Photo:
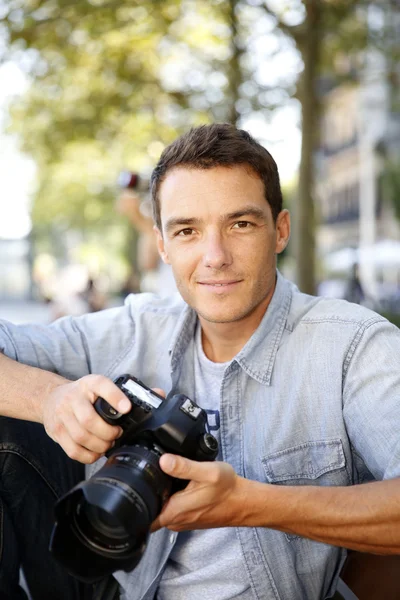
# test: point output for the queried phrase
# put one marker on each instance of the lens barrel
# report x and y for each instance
(103, 524)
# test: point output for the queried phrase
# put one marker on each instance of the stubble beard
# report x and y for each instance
(233, 314)
(256, 296)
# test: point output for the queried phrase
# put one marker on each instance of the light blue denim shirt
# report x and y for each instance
(313, 398)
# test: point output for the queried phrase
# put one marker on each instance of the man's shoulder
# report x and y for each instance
(318, 309)
(149, 311)
(142, 311)
(142, 303)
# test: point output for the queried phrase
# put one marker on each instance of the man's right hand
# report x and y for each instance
(70, 419)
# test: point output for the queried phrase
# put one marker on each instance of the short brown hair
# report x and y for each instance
(218, 145)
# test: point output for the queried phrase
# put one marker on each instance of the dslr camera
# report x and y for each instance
(102, 524)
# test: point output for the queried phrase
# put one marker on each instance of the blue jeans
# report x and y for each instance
(34, 472)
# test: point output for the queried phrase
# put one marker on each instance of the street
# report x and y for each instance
(21, 311)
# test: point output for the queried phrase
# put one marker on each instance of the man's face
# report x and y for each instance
(220, 239)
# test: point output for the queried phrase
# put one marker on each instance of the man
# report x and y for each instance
(302, 392)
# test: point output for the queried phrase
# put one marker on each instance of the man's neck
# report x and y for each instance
(222, 346)
(223, 341)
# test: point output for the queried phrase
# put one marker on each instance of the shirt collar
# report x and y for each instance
(257, 357)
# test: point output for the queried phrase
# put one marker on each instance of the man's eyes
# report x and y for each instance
(184, 232)
(188, 231)
(243, 225)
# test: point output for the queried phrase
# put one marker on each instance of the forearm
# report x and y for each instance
(23, 389)
(140, 222)
(361, 517)
(148, 257)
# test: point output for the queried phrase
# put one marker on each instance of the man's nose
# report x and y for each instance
(216, 251)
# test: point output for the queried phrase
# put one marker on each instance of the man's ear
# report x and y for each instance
(161, 246)
(282, 231)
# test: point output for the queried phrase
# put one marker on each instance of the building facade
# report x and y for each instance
(360, 132)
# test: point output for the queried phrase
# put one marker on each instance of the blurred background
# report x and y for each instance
(92, 91)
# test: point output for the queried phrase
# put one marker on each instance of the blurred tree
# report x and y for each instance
(386, 40)
(391, 183)
(103, 96)
(327, 34)
(113, 82)
(93, 100)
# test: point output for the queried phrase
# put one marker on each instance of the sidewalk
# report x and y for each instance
(21, 311)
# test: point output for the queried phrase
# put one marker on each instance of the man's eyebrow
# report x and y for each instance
(253, 211)
(178, 222)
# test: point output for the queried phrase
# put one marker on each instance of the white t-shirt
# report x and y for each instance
(206, 564)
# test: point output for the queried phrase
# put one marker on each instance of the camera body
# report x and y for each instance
(176, 424)
(102, 524)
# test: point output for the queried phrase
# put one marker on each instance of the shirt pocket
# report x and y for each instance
(320, 462)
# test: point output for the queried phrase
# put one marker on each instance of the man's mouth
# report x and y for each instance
(220, 284)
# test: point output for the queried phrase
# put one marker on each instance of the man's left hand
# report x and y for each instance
(214, 496)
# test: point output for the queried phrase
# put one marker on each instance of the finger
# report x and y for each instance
(77, 452)
(91, 422)
(172, 514)
(159, 391)
(182, 510)
(156, 525)
(97, 385)
(183, 468)
(165, 518)
(84, 438)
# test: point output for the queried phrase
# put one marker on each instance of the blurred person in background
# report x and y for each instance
(302, 392)
(354, 289)
(131, 284)
(75, 292)
(156, 276)
(94, 297)
(69, 290)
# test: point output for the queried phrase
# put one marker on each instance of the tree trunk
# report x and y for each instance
(234, 71)
(304, 213)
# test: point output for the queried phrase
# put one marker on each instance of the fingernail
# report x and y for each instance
(169, 462)
(124, 405)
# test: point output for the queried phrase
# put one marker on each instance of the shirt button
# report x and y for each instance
(172, 538)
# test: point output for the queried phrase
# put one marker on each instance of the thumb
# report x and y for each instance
(168, 463)
(183, 468)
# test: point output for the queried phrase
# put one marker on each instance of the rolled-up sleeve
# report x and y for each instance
(371, 396)
(71, 346)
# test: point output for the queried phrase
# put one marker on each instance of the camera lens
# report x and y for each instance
(102, 521)
(98, 521)
(99, 530)
(127, 494)
(107, 519)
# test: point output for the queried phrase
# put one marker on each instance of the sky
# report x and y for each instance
(17, 172)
